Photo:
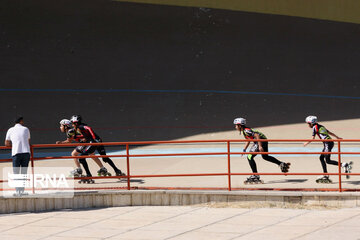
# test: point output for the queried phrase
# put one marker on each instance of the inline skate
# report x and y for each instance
(88, 181)
(284, 167)
(76, 172)
(254, 179)
(347, 168)
(103, 172)
(323, 179)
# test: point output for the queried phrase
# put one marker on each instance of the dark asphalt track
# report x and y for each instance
(169, 56)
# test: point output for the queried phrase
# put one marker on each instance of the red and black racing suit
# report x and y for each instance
(90, 136)
(71, 134)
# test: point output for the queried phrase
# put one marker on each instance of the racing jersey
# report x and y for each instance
(73, 134)
(321, 131)
(249, 133)
(87, 133)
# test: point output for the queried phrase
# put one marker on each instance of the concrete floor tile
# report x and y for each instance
(34, 231)
(333, 233)
(89, 232)
(17, 220)
(16, 237)
(146, 235)
(63, 222)
(204, 236)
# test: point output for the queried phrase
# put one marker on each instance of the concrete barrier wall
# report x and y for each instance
(177, 198)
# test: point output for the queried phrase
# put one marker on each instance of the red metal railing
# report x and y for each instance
(227, 153)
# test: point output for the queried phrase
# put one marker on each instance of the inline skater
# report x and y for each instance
(249, 133)
(90, 136)
(66, 127)
(324, 133)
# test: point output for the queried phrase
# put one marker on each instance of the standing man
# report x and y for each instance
(18, 137)
(258, 146)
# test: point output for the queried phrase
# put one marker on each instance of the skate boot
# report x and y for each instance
(88, 181)
(284, 167)
(119, 173)
(254, 179)
(347, 168)
(323, 179)
(103, 172)
(76, 172)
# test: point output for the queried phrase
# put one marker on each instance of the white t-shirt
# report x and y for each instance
(19, 137)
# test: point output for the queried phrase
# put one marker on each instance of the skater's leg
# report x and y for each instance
(86, 166)
(267, 157)
(270, 159)
(252, 163)
(96, 160)
(328, 146)
(76, 160)
(101, 151)
(323, 163)
(329, 161)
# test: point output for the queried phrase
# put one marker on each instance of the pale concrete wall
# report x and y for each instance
(179, 198)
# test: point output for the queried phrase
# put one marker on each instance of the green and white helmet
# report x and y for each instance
(241, 121)
(311, 119)
(66, 123)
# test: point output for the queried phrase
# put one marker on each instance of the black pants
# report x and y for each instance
(20, 164)
(101, 150)
(267, 157)
(325, 158)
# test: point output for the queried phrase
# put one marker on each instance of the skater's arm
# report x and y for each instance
(68, 140)
(334, 135)
(305, 144)
(257, 137)
(246, 146)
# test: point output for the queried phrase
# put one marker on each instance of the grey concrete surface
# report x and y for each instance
(186, 222)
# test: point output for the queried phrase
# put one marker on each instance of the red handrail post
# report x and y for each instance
(32, 167)
(339, 156)
(229, 165)
(128, 166)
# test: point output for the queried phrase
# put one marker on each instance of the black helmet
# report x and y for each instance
(76, 119)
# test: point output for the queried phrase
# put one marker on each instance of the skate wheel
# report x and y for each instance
(109, 174)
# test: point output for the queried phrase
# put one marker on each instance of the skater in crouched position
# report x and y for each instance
(324, 133)
(71, 136)
(249, 133)
(90, 136)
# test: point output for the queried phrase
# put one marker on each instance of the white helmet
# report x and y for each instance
(241, 121)
(66, 123)
(311, 119)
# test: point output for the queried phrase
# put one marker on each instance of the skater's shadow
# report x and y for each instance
(289, 181)
(140, 181)
(352, 182)
(122, 180)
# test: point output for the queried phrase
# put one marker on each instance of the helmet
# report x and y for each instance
(311, 119)
(71, 133)
(241, 121)
(76, 119)
(66, 123)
